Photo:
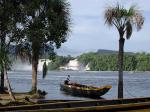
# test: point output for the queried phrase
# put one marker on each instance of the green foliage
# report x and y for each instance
(108, 62)
(10, 16)
(59, 61)
(84, 58)
(143, 63)
(46, 24)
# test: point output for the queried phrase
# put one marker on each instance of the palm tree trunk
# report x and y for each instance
(8, 84)
(34, 75)
(120, 64)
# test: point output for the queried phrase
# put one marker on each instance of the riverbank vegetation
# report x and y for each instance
(108, 62)
(98, 61)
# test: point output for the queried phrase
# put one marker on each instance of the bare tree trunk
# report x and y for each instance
(120, 65)
(8, 85)
(2, 66)
(2, 79)
(34, 75)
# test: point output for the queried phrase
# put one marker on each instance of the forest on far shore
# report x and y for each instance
(106, 61)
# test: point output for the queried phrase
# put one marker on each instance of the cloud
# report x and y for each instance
(90, 33)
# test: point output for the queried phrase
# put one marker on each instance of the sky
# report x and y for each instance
(90, 33)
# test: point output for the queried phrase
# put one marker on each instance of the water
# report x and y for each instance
(135, 84)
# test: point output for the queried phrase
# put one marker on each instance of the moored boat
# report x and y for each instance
(84, 90)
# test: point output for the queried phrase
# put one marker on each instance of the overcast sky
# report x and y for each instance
(89, 33)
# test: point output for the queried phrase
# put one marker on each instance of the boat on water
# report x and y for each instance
(84, 90)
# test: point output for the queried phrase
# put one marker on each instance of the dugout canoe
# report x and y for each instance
(84, 90)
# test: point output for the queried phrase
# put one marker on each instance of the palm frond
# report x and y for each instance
(132, 10)
(128, 30)
(139, 20)
(115, 15)
(109, 16)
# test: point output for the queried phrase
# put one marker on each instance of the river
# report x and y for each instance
(135, 84)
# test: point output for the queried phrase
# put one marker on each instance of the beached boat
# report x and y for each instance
(115, 105)
(84, 90)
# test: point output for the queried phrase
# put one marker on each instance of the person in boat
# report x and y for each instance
(67, 80)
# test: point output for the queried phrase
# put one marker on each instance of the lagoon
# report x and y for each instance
(136, 84)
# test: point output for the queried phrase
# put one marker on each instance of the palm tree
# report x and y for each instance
(47, 24)
(124, 20)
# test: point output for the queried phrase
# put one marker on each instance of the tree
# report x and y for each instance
(124, 20)
(47, 24)
(10, 15)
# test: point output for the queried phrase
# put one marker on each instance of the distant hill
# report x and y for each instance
(104, 51)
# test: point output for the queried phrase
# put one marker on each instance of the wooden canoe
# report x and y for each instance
(85, 106)
(83, 90)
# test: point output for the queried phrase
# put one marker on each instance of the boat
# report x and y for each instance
(84, 90)
(112, 105)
